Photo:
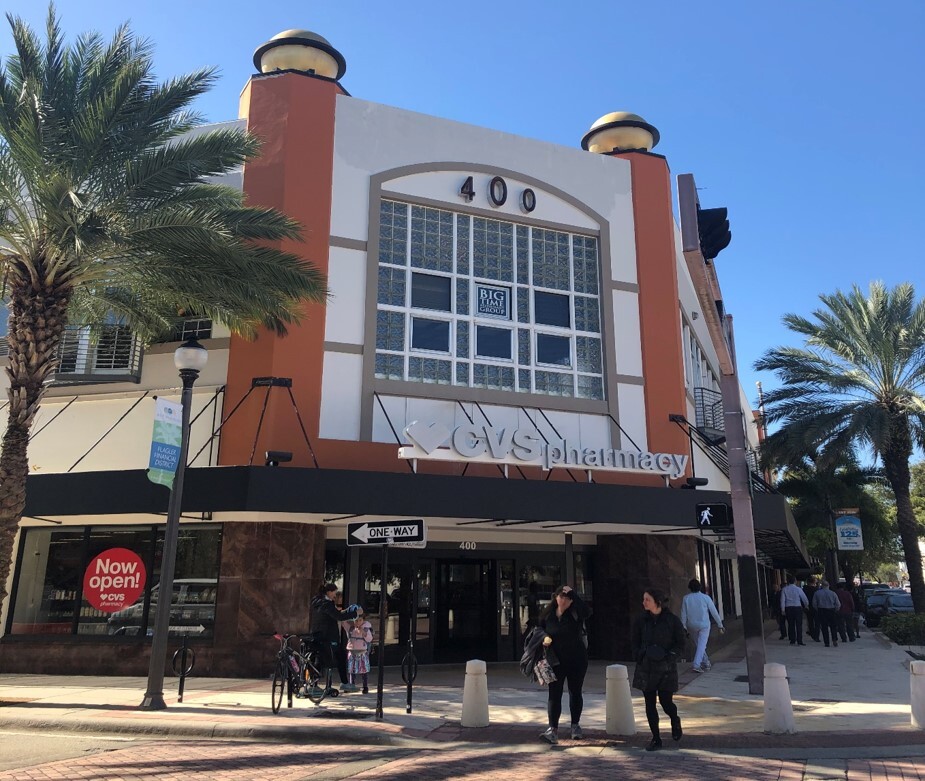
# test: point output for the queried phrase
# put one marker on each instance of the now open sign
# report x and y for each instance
(114, 579)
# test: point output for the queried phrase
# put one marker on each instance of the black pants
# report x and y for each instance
(825, 617)
(812, 623)
(781, 624)
(573, 673)
(794, 624)
(844, 623)
(667, 701)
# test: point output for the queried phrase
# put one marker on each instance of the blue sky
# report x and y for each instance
(804, 118)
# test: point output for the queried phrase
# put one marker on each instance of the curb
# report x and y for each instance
(303, 733)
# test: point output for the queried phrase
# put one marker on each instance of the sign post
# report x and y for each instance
(385, 533)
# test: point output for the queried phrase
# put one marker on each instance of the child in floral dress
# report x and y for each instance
(359, 636)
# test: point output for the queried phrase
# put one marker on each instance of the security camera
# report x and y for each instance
(277, 457)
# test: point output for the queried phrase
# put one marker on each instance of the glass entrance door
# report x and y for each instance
(465, 611)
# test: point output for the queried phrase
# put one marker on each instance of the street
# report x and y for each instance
(42, 755)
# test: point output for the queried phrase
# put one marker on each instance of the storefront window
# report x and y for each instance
(537, 584)
(51, 599)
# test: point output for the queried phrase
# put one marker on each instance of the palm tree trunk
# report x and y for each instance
(37, 320)
(896, 465)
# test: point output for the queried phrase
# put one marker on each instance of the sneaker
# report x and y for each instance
(577, 733)
(707, 666)
(550, 736)
(654, 745)
(697, 669)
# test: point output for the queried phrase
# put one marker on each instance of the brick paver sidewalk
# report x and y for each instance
(237, 761)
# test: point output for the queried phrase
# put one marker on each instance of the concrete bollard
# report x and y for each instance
(475, 695)
(778, 709)
(619, 716)
(917, 686)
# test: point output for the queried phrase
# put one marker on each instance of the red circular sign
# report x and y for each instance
(114, 579)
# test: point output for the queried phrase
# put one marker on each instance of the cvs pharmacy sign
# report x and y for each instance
(114, 579)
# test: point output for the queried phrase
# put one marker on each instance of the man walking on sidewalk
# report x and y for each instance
(812, 620)
(792, 602)
(696, 611)
(826, 604)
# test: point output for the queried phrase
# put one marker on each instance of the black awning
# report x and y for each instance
(349, 492)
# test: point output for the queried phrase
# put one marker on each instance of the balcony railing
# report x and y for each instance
(708, 406)
(97, 354)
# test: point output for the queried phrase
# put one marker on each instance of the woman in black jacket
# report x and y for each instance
(658, 642)
(326, 620)
(563, 621)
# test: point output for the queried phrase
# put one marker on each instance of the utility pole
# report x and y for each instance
(703, 235)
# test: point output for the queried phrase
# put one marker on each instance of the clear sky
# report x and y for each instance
(804, 117)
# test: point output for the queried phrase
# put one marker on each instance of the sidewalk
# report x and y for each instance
(852, 696)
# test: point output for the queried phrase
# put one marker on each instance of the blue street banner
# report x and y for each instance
(165, 442)
(848, 532)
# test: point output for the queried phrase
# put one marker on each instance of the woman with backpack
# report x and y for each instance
(563, 622)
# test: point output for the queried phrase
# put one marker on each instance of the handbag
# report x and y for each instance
(543, 672)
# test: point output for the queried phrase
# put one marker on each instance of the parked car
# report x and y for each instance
(192, 610)
(882, 603)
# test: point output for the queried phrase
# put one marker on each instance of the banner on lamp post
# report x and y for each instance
(165, 442)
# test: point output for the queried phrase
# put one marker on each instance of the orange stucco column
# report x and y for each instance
(660, 324)
(293, 115)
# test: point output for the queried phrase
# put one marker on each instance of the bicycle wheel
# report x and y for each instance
(280, 677)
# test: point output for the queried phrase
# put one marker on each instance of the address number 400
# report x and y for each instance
(497, 194)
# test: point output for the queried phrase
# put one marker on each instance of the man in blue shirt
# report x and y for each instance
(792, 602)
(696, 610)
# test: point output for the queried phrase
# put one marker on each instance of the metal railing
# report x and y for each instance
(98, 353)
(708, 407)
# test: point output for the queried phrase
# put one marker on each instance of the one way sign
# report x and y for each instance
(385, 532)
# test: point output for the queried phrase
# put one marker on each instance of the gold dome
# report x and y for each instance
(620, 131)
(300, 50)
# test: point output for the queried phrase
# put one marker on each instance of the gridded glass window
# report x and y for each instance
(430, 334)
(551, 259)
(523, 347)
(523, 305)
(555, 350)
(390, 367)
(393, 233)
(553, 383)
(586, 267)
(486, 375)
(431, 370)
(435, 259)
(431, 292)
(590, 387)
(462, 244)
(492, 249)
(551, 309)
(462, 296)
(431, 239)
(391, 286)
(587, 314)
(523, 257)
(462, 373)
(493, 342)
(390, 330)
(588, 352)
(462, 339)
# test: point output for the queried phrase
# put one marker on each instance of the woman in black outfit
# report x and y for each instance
(563, 621)
(658, 642)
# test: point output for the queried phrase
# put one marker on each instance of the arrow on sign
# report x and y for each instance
(385, 532)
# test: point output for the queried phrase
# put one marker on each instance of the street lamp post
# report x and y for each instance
(190, 358)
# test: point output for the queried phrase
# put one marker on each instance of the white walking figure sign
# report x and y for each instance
(705, 517)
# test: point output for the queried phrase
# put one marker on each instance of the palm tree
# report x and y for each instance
(109, 209)
(858, 381)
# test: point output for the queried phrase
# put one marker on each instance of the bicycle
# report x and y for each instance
(316, 675)
(301, 673)
(287, 674)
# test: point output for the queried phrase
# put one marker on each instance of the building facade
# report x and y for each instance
(514, 352)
